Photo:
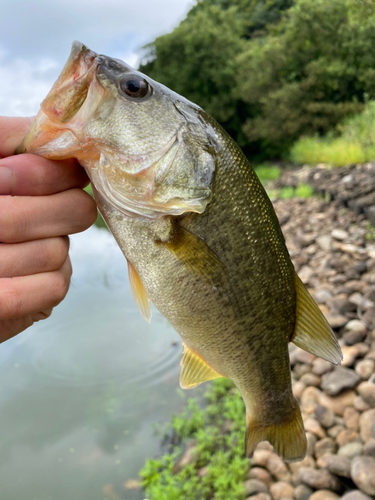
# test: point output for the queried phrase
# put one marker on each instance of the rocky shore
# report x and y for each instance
(333, 250)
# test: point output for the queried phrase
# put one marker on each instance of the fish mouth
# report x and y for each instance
(63, 105)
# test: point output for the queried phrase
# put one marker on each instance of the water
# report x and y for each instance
(80, 392)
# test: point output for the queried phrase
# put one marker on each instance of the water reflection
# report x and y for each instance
(80, 392)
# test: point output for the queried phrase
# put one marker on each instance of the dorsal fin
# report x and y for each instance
(312, 332)
(139, 293)
(194, 370)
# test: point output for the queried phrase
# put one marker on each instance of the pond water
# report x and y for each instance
(81, 391)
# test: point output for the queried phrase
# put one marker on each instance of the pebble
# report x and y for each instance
(355, 495)
(325, 446)
(259, 473)
(350, 354)
(339, 403)
(319, 479)
(363, 474)
(324, 495)
(302, 492)
(339, 465)
(351, 450)
(339, 380)
(253, 486)
(312, 425)
(277, 467)
(339, 234)
(260, 496)
(365, 368)
(351, 418)
(260, 457)
(281, 489)
(346, 436)
(310, 379)
(355, 325)
(367, 425)
(360, 404)
(367, 391)
(324, 416)
(321, 366)
(369, 447)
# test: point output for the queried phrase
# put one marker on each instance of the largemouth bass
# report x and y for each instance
(199, 233)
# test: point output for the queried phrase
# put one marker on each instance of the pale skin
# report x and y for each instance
(41, 203)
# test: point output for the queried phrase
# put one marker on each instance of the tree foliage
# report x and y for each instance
(271, 71)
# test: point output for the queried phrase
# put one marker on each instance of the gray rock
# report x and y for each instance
(339, 234)
(253, 486)
(324, 242)
(325, 446)
(321, 366)
(339, 465)
(319, 479)
(338, 380)
(351, 450)
(302, 492)
(369, 448)
(355, 495)
(355, 325)
(363, 474)
(367, 425)
(324, 416)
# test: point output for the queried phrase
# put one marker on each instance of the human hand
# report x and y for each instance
(41, 202)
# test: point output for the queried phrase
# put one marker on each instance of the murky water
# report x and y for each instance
(80, 392)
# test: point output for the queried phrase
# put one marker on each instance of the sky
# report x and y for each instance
(36, 36)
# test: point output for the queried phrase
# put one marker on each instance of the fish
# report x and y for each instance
(199, 233)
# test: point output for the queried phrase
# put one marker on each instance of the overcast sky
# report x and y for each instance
(36, 36)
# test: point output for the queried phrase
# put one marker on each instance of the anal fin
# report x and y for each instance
(312, 332)
(194, 370)
(288, 437)
(139, 293)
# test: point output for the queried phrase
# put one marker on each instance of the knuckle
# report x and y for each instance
(12, 225)
(10, 300)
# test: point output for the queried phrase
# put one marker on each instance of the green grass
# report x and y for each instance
(267, 172)
(221, 453)
(354, 144)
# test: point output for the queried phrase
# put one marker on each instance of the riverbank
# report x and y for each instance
(333, 250)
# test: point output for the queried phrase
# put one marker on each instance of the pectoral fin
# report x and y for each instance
(193, 252)
(194, 370)
(312, 332)
(139, 293)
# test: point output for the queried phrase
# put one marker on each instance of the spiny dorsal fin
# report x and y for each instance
(193, 252)
(194, 370)
(287, 437)
(312, 332)
(139, 293)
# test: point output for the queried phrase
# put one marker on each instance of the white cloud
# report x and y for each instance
(35, 39)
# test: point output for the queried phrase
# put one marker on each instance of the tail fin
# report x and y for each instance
(288, 437)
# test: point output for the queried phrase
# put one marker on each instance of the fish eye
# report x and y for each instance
(134, 86)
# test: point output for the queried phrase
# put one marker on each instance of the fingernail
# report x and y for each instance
(6, 180)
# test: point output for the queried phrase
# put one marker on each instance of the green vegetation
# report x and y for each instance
(271, 71)
(99, 220)
(267, 172)
(217, 468)
(354, 144)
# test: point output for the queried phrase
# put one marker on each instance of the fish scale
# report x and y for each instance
(199, 233)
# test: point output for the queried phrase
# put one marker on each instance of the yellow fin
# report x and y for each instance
(288, 438)
(139, 293)
(194, 370)
(193, 252)
(312, 332)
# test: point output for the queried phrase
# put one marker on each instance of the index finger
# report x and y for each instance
(12, 131)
